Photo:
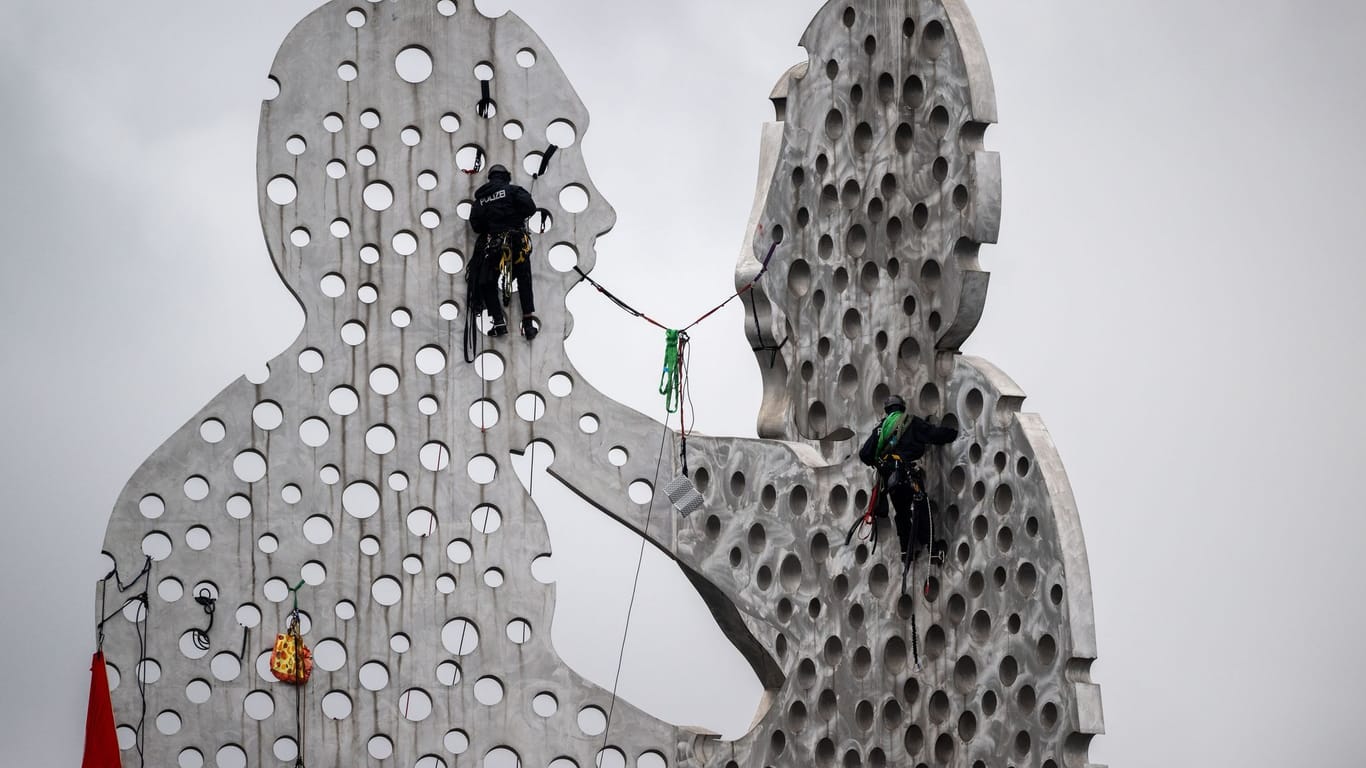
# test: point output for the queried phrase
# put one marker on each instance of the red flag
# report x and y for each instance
(101, 742)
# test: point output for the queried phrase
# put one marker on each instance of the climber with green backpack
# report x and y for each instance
(894, 450)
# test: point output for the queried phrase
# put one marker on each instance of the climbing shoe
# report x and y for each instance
(529, 329)
(499, 329)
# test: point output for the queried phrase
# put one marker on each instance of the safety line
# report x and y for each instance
(140, 628)
(583, 276)
(635, 584)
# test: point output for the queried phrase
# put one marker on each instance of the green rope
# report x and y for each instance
(294, 590)
(890, 426)
(671, 379)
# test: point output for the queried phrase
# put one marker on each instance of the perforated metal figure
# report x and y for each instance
(894, 449)
(499, 216)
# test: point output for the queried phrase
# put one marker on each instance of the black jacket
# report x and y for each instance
(501, 206)
(917, 435)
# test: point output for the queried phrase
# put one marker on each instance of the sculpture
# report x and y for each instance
(397, 484)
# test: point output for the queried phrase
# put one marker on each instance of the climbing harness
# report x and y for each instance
(510, 254)
(893, 471)
(140, 600)
(889, 433)
(511, 249)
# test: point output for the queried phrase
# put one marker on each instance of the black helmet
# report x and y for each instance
(498, 170)
(894, 404)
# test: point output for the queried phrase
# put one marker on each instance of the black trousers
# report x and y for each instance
(491, 297)
(484, 273)
(912, 518)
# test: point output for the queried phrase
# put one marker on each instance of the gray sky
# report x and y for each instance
(1176, 287)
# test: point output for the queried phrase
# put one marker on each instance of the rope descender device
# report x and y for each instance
(671, 378)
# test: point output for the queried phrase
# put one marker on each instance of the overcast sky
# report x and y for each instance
(1177, 287)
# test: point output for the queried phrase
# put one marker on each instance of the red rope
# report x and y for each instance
(740, 292)
(637, 313)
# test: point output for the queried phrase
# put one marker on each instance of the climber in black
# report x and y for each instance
(499, 216)
(894, 449)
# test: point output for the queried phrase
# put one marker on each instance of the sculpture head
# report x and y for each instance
(368, 158)
(883, 193)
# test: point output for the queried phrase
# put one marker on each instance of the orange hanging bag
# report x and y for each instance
(291, 661)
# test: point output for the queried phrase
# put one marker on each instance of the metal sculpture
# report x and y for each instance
(370, 475)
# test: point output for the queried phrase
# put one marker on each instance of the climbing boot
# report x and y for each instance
(499, 329)
(529, 329)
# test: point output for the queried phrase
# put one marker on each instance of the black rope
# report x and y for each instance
(915, 636)
(114, 574)
(763, 269)
(687, 382)
(635, 584)
(208, 602)
(140, 674)
(763, 345)
(478, 162)
(583, 276)
(612, 297)
(140, 627)
(545, 162)
(872, 535)
(685, 403)
(299, 716)
(293, 629)
(546, 220)
(473, 308)
(140, 597)
(486, 104)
